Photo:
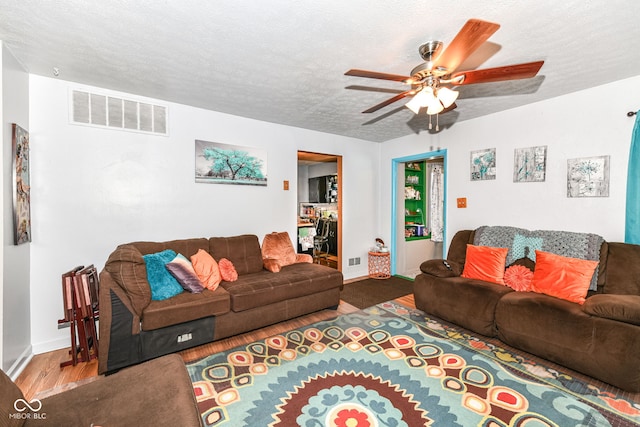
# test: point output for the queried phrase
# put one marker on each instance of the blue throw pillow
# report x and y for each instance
(163, 284)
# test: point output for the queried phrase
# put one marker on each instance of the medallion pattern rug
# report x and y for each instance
(389, 365)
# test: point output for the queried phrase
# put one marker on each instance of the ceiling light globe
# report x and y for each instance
(447, 96)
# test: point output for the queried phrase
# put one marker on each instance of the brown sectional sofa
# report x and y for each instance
(600, 338)
(134, 328)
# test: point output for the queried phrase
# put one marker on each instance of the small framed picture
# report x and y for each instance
(483, 164)
(530, 164)
(588, 177)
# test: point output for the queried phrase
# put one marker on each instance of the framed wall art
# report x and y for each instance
(219, 163)
(483, 164)
(21, 186)
(530, 164)
(588, 177)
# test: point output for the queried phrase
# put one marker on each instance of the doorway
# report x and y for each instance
(320, 200)
(418, 215)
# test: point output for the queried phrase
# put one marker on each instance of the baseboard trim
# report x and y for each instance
(18, 366)
(354, 279)
(52, 345)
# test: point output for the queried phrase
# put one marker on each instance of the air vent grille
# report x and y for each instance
(118, 113)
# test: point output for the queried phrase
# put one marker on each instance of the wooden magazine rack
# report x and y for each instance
(80, 295)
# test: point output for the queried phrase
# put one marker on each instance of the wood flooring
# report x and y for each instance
(43, 375)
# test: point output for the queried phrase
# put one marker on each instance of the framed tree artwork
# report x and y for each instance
(229, 164)
(21, 186)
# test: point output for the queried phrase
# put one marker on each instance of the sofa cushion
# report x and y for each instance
(186, 247)
(623, 269)
(624, 308)
(296, 280)
(243, 251)
(562, 277)
(163, 284)
(485, 263)
(128, 269)
(469, 303)
(458, 246)
(184, 308)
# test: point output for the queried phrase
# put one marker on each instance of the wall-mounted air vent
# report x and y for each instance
(117, 113)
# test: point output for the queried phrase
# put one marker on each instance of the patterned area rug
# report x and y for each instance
(389, 365)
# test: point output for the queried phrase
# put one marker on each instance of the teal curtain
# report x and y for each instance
(632, 222)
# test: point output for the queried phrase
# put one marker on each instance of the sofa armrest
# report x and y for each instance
(624, 308)
(441, 268)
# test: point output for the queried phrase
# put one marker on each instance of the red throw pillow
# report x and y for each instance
(562, 277)
(518, 277)
(485, 263)
(227, 270)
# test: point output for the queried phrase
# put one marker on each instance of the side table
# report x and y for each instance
(379, 265)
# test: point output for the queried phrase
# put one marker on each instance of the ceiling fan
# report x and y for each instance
(430, 81)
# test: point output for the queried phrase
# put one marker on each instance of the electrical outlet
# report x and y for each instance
(357, 261)
(462, 202)
(286, 185)
(351, 261)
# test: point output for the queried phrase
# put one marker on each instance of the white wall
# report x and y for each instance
(93, 189)
(571, 126)
(15, 287)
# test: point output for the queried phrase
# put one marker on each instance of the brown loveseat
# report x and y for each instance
(156, 393)
(600, 338)
(134, 328)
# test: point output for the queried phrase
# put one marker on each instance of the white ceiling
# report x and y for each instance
(283, 61)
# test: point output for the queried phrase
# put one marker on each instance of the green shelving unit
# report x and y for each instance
(415, 201)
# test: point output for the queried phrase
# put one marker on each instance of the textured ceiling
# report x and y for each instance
(283, 61)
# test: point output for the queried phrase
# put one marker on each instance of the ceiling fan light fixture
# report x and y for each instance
(420, 100)
(447, 96)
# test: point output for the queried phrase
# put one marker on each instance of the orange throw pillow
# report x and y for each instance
(562, 277)
(518, 278)
(228, 270)
(206, 269)
(278, 246)
(485, 263)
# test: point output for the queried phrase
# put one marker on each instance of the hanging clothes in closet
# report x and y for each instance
(436, 201)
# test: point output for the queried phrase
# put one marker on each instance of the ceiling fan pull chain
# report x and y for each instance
(437, 122)
(430, 125)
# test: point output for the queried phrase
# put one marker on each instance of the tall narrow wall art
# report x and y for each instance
(21, 186)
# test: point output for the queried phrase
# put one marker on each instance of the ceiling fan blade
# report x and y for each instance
(469, 38)
(396, 98)
(497, 74)
(376, 75)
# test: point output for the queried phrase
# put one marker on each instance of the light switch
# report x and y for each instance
(286, 185)
(462, 202)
